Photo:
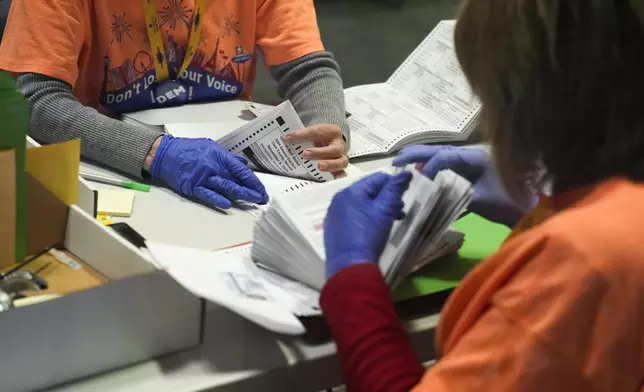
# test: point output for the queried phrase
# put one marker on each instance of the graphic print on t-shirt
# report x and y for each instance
(217, 70)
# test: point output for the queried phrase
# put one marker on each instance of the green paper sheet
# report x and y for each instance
(14, 115)
(482, 238)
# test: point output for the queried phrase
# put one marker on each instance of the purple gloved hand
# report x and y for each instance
(202, 169)
(360, 218)
(489, 200)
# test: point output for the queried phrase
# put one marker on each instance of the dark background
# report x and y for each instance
(369, 38)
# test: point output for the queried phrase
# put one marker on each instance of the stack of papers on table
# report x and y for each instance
(277, 279)
(289, 239)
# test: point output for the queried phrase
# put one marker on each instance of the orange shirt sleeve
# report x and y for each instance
(498, 354)
(45, 37)
(556, 324)
(287, 30)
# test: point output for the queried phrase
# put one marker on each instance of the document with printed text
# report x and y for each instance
(275, 280)
(261, 142)
(289, 237)
(427, 99)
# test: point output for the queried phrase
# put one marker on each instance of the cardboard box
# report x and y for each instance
(129, 312)
(139, 314)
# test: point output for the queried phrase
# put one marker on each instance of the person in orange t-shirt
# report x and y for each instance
(560, 306)
(82, 63)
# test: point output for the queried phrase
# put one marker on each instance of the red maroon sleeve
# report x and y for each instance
(373, 347)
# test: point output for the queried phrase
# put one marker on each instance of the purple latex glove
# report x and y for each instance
(359, 220)
(489, 200)
(202, 169)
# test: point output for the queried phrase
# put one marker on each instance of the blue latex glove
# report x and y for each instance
(359, 220)
(202, 169)
(489, 200)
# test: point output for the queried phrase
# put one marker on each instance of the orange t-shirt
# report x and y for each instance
(101, 47)
(559, 307)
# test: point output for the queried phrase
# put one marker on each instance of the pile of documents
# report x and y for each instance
(277, 279)
(289, 239)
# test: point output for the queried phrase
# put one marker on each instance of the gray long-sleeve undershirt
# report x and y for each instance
(312, 83)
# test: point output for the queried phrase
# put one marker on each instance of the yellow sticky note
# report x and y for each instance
(105, 219)
(115, 202)
(56, 167)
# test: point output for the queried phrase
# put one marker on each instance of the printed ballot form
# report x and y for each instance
(427, 99)
(261, 142)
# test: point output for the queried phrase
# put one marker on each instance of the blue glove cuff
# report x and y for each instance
(333, 265)
(155, 167)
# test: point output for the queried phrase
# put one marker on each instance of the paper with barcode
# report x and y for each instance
(261, 142)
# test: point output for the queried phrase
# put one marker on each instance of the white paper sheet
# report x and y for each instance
(230, 279)
(261, 141)
(277, 185)
(432, 77)
(289, 238)
(258, 109)
(427, 99)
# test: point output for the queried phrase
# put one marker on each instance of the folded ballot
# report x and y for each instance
(289, 238)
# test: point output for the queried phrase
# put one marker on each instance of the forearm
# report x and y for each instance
(313, 85)
(373, 347)
(56, 116)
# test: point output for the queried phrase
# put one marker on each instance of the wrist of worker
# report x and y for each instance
(335, 265)
(344, 128)
(522, 208)
(149, 158)
(354, 279)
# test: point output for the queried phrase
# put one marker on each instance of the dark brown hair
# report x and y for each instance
(562, 82)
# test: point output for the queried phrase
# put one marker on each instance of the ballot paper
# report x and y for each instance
(261, 142)
(230, 278)
(289, 238)
(258, 109)
(427, 99)
(276, 185)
